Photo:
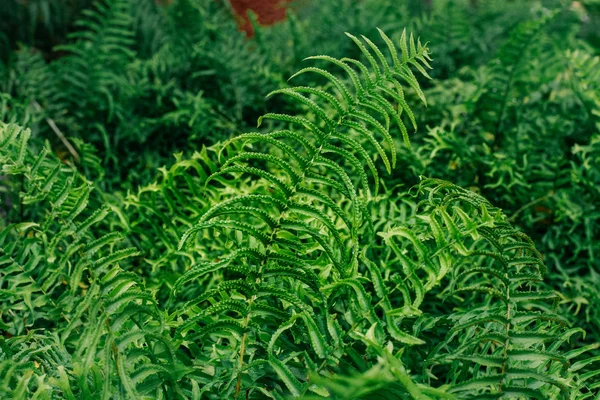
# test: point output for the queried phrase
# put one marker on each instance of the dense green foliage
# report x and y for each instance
(334, 251)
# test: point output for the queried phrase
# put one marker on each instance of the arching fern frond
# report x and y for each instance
(304, 211)
(503, 338)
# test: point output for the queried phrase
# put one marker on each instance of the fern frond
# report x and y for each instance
(501, 338)
(506, 70)
(55, 269)
(311, 221)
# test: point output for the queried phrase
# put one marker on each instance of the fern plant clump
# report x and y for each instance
(334, 251)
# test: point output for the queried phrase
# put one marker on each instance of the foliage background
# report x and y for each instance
(135, 102)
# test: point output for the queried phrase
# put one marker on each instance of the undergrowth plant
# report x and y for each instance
(332, 252)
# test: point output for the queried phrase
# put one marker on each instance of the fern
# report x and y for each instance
(510, 339)
(505, 70)
(587, 73)
(95, 52)
(301, 223)
(449, 32)
(57, 275)
(295, 261)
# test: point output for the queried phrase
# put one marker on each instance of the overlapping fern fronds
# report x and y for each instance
(503, 336)
(285, 289)
(294, 238)
(83, 91)
(92, 71)
(108, 335)
(281, 263)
